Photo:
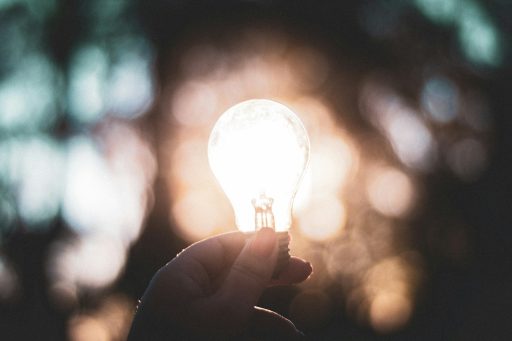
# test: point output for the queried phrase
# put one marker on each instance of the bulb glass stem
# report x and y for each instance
(263, 215)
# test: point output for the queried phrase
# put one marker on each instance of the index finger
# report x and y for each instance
(214, 254)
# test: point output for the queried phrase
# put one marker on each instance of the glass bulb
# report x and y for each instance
(258, 150)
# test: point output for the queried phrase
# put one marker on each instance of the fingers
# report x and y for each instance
(214, 254)
(183, 291)
(218, 253)
(251, 272)
(189, 275)
(269, 325)
(296, 271)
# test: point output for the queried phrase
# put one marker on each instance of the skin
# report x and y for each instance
(210, 291)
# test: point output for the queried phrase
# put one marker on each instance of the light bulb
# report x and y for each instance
(258, 150)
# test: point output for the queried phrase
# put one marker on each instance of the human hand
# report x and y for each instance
(210, 291)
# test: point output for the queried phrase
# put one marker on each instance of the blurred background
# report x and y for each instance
(405, 210)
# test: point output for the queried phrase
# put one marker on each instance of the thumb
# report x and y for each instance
(251, 272)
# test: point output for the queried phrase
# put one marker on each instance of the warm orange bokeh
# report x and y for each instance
(344, 178)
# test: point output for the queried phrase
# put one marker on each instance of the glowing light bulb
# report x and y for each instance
(258, 150)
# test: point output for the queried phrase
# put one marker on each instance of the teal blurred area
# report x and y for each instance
(66, 70)
(105, 107)
(76, 81)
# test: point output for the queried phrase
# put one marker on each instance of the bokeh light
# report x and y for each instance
(194, 104)
(107, 195)
(9, 282)
(36, 78)
(105, 81)
(404, 128)
(389, 312)
(76, 171)
(213, 219)
(467, 158)
(87, 83)
(390, 191)
(478, 36)
(105, 113)
(440, 99)
(315, 224)
(353, 208)
(81, 263)
(33, 168)
(389, 290)
(87, 328)
(110, 321)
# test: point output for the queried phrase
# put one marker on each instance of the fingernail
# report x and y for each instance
(264, 242)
